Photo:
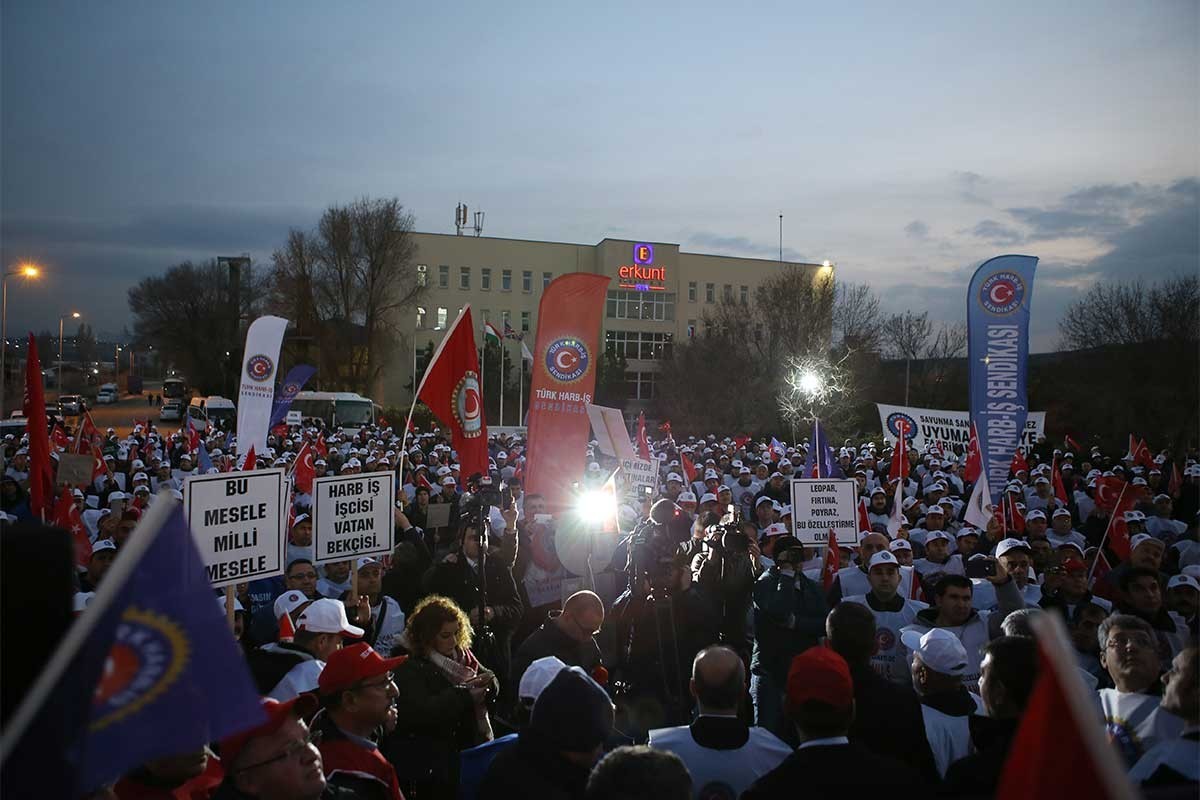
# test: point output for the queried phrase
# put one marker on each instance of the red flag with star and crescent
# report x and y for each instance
(829, 569)
(1108, 491)
(642, 441)
(1019, 464)
(67, 517)
(305, 471)
(452, 391)
(974, 464)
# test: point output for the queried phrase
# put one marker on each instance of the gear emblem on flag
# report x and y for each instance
(468, 405)
(885, 640)
(260, 368)
(148, 654)
(899, 421)
(567, 360)
(1002, 293)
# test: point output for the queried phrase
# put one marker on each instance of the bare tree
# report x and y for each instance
(1132, 313)
(858, 322)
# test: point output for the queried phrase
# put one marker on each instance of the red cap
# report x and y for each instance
(304, 705)
(1074, 565)
(348, 666)
(819, 674)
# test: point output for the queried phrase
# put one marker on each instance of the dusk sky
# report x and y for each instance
(904, 142)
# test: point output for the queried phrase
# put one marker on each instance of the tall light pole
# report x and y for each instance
(117, 363)
(72, 315)
(25, 271)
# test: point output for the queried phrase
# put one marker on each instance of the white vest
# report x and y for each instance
(1135, 722)
(854, 581)
(949, 737)
(890, 659)
(973, 635)
(722, 773)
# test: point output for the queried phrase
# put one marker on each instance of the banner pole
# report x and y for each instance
(229, 590)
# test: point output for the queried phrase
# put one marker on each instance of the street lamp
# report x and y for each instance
(26, 270)
(73, 315)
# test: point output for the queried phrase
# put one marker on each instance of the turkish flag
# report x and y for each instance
(1059, 727)
(829, 569)
(689, 469)
(974, 464)
(67, 517)
(1139, 452)
(423, 481)
(193, 437)
(88, 433)
(1176, 483)
(1118, 529)
(59, 439)
(898, 469)
(1015, 518)
(643, 442)
(1074, 445)
(305, 471)
(41, 473)
(320, 446)
(1018, 462)
(740, 441)
(1108, 490)
(1060, 490)
(452, 391)
(250, 461)
(864, 521)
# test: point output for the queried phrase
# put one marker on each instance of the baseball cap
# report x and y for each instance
(1183, 580)
(1078, 548)
(909, 502)
(1141, 539)
(743, 470)
(883, 557)
(1037, 513)
(1135, 516)
(685, 497)
(277, 713)
(900, 544)
(367, 561)
(939, 649)
(1008, 545)
(103, 544)
(674, 476)
(708, 497)
(1061, 512)
(938, 510)
(966, 530)
(763, 499)
(327, 616)
(820, 674)
(933, 535)
(350, 665)
(288, 602)
(864, 534)
(776, 529)
(537, 676)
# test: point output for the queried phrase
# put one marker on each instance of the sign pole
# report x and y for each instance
(229, 595)
(353, 583)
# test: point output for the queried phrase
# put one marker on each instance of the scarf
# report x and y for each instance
(458, 670)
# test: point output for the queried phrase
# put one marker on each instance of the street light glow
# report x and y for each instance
(30, 270)
(75, 315)
(810, 383)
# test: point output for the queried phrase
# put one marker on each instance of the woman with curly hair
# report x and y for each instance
(442, 705)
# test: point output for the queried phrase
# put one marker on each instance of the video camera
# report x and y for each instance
(725, 532)
(654, 543)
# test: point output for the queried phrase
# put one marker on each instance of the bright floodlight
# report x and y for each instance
(595, 505)
(810, 383)
(29, 270)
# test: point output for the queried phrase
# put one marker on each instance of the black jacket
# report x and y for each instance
(269, 663)
(978, 775)
(888, 721)
(838, 772)
(533, 769)
(549, 640)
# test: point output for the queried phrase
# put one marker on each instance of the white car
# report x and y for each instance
(106, 397)
(172, 410)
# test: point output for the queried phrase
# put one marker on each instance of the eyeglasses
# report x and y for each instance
(293, 749)
(1120, 642)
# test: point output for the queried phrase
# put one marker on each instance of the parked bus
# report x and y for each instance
(175, 389)
(346, 409)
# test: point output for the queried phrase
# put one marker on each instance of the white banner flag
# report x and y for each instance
(948, 430)
(257, 392)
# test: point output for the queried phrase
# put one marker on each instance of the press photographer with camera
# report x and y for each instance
(727, 573)
(789, 618)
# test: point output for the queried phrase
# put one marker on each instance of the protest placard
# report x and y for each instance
(352, 515)
(820, 505)
(75, 470)
(948, 431)
(635, 474)
(239, 521)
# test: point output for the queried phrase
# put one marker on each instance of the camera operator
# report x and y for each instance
(789, 618)
(457, 576)
(728, 569)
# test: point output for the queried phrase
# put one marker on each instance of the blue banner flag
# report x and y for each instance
(998, 304)
(820, 455)
(150, 669)
(204, 459)
(296, 378)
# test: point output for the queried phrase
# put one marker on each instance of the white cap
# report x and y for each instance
(1183, 580)
(103, 544)
(775, 529)
(117, 496)
(537, 676)
(288, 602)
(883, 557)
(966, 530)
(711, 475)
(763, 499)
(327, 616)
(708, 497)
(936, 509)
(367, 561)
(686, 497)
(1037, 513)
(743, 470)
(900, 544)
(674, 476)
(934, 535)
(1008, 545)
(237, 604)
(939, 649)
(299, 518)
(1061, 512)
(1141, 539)
(1135, 516)
(908, 503)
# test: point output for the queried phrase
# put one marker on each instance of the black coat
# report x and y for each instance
(549, 640)
(531, 769)
(838, 772)
(978, 775)
(888, 721)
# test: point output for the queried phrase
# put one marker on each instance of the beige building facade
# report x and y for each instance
(656, 298)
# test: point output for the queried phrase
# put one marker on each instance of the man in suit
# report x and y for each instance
(887, 716)
(820, 701)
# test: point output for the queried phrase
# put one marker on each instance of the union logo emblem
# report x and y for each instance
(567, 360)
(468, 405)
(260, 368)
(1002, 292)
(147, 656)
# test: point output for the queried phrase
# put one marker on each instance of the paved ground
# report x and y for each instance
(121, 415)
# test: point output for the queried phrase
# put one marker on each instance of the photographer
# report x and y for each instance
(789, 618)
(728, 570)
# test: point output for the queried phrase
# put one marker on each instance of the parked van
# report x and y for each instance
(214, 410)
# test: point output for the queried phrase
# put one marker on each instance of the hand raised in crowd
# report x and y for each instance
(401, 520)
(1001, 575)
(363, 609)
(510, 517)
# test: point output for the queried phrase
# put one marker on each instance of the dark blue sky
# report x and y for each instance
(904, 142)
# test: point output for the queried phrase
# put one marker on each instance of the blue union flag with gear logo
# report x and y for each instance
(998, 311)
(150, 669)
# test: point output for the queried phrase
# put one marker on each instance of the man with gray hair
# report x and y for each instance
(724, 754)
(1132, 715)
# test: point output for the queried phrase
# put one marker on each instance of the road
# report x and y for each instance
(120, 416)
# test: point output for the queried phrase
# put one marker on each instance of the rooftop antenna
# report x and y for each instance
(478, 228)
(781, 238)
(460, 218)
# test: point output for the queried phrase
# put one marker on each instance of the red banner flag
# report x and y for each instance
(974, 464)
(1176, 483)
(564, 380)
(898, 469)
(1019, 464)
(41, 474)
(643, 442)
(305, 472)
(1074, 445)
(1016, 519)
(1060, 490)
(87, 435)
(829, 569)
(320, 446)
(59, 439)
(689, 469)
(1108, 490)
(740, 441)
(67, 517)
(864, 521)
(452, 391)
(1118, 528)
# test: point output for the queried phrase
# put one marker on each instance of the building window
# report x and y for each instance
(546, 278)
(487, 314)
(527, 281)
(642, 345)
(632, 304)
(691, 291)
(441, 318)
(691, 329)
(525, 322)
(422, 274)
(710, 292)
(485, 278)
(506, 280)
(420, 317)
(504, 315)
(728, 293)
(464, 277)
(641, 385)
(745, 295)
(444, 276)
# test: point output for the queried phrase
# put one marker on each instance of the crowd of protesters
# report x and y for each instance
(472, 663)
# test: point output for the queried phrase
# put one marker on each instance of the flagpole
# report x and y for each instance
(1104, 538)
(437, 351)
(521, 391)
(502, 349)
